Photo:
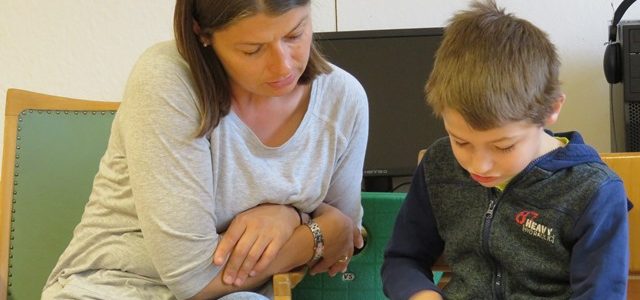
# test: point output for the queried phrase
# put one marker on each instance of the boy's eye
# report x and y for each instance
(506, 149)
(460, 143)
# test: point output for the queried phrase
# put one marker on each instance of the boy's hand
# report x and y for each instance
(253, 241)
(426, 295)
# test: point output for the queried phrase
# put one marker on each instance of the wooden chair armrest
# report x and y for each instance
(441, 265)
(283, 283)
(633, 290)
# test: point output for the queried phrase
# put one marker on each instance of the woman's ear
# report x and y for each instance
(555, 112)
(204, 40)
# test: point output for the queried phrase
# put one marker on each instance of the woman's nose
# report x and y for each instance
(280, 60)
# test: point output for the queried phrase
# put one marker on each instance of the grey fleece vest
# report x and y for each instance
(503, 245)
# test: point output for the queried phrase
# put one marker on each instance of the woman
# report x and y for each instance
(225, 139)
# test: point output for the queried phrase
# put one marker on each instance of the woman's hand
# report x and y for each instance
(253, 240)
(340, 236)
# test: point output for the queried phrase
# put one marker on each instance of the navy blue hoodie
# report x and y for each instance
(559, 230)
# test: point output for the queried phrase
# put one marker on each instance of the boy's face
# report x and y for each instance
(496, 155)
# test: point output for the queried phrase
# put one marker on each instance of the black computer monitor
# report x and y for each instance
(393, 66)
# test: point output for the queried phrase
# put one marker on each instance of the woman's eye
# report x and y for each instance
(294, 36)
(251, 52)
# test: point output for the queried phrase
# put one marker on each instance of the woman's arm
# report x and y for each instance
(297, 251)
(169, 171)
(345, 187)
(253, 241)
(334, 253)
(344, 192)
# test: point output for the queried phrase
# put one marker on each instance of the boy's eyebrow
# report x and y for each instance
(455, 136)
(494, 141)
(502, 139)
(292, 30)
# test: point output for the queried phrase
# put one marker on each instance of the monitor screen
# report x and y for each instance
(393, 66)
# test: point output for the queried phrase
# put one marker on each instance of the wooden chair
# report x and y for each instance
(52, 146)
(627, 166)
(380, 211)
(362, 279)
(284, 283)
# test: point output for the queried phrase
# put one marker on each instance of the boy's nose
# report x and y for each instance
(481, 164)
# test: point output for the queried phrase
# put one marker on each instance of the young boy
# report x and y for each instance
(517, 212)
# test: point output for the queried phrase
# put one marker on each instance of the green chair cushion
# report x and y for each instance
(57, 157)
(362, 279)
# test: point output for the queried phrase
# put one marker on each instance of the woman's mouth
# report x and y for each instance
(283, 82)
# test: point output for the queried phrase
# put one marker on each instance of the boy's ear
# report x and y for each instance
(555, 112)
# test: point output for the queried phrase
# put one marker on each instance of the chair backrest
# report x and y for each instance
(627, 166)
(52, 147)
(362, 279)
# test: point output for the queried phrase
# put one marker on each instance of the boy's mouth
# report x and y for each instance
(483, 179)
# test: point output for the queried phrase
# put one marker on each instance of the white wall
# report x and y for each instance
(85, 49)
(577, 27)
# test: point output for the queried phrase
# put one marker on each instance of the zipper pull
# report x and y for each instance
(489, 213)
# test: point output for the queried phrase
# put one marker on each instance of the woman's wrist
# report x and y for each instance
(303, 217)
(318, 242)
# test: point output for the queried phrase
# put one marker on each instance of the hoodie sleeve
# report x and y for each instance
(414, 246)
(600, 257)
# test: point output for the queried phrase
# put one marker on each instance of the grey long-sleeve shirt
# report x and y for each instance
(162, 196)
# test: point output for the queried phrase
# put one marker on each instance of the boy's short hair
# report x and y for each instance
(494, 68)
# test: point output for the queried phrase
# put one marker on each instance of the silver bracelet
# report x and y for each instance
(318, 242)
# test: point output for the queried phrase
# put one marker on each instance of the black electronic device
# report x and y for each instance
(393, 66)
(612, 61)
(625, 94)
(622, 70)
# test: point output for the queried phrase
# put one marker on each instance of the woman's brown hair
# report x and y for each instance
(211, 80)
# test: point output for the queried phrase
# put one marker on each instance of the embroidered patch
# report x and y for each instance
(527, 218)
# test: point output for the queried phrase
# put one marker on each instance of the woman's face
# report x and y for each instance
(265, 55)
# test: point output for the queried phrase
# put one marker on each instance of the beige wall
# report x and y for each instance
(85, 49)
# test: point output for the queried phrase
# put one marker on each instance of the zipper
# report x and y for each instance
(497, 283)
(489, 214)
(488, 217)
(497, 286)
